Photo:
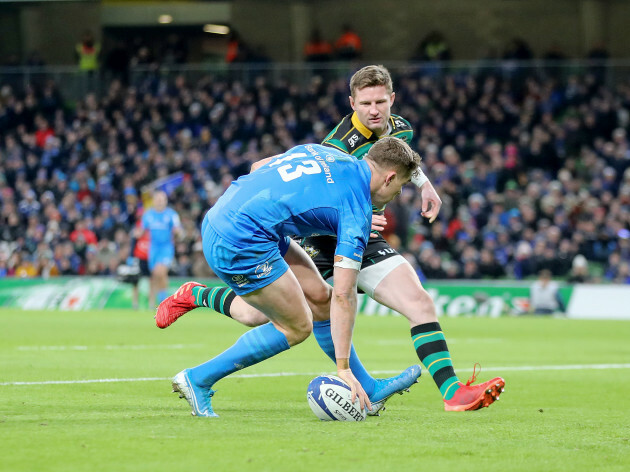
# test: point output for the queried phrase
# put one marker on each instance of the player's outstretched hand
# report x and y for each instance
(378, 224)
(431, 202)
(355, 387)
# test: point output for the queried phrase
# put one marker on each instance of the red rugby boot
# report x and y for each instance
(473, 397)
(178, 304)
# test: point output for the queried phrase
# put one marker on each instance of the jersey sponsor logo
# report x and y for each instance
(326, 167)
(311, 251)
(384, 252)
(353, 140)
(400, 124)
(240, 280)
(330, 158)
(263, 270)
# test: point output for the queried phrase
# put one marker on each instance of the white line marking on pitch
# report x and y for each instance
(293, 374)
(110, 347)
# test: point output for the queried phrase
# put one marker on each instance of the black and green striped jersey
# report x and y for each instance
(351, 136)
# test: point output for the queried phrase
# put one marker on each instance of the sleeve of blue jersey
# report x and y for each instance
(176, 221)
(350, 251)
(352, 237)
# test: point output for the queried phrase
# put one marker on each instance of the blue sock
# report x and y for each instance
(252, 347)
(321, 330)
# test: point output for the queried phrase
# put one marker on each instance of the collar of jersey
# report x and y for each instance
(360, 126)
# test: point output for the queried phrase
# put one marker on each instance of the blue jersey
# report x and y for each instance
(308, 190)
(160, 226)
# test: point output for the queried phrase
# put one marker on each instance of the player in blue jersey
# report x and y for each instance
(310, 189)
(162, 223)
(385, 275)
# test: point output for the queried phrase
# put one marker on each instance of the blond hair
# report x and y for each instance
(371, 76)
(393, 153)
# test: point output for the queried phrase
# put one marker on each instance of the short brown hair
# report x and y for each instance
(371, 76)
(393, 153)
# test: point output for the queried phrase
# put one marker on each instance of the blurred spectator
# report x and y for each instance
(518, 50)
(23, 264)
(544, 295)
(433, 47)
(317, 49)
(82, 235)
(579, 270)
(237, 49)
(623, 273)
(524, 264)
(348, 46)
(87, 52)
(44, 131)
(489, 267)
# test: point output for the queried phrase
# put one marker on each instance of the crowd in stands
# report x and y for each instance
(534, 173)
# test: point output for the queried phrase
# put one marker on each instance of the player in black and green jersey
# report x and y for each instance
(385, 275)
(355, 134)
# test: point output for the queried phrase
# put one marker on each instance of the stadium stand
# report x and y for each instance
(533, 171)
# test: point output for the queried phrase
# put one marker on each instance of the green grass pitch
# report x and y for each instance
(553, 416)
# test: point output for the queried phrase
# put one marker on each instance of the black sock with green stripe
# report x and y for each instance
(218, 298)
(430, 344)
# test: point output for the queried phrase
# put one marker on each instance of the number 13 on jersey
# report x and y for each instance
(295, 170)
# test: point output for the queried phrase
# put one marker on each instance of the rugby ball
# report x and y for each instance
(330, 399)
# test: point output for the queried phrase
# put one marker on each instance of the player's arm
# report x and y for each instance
(431, 201)
(143, 227)
(343, 310)
(178, 229)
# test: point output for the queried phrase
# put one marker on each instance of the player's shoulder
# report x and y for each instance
(339, 136)
(401, 128)
(321, 150)
(172, 214)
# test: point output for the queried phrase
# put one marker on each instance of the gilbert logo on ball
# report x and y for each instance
(330, 399)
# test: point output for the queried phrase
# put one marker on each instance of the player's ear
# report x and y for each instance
(390, 177)
(351, 102)
(392, 98)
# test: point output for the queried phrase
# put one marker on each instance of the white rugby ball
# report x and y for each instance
(330, 399)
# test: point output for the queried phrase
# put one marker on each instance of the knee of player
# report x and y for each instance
(320, 297)
(421, 309)
(302, 330)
